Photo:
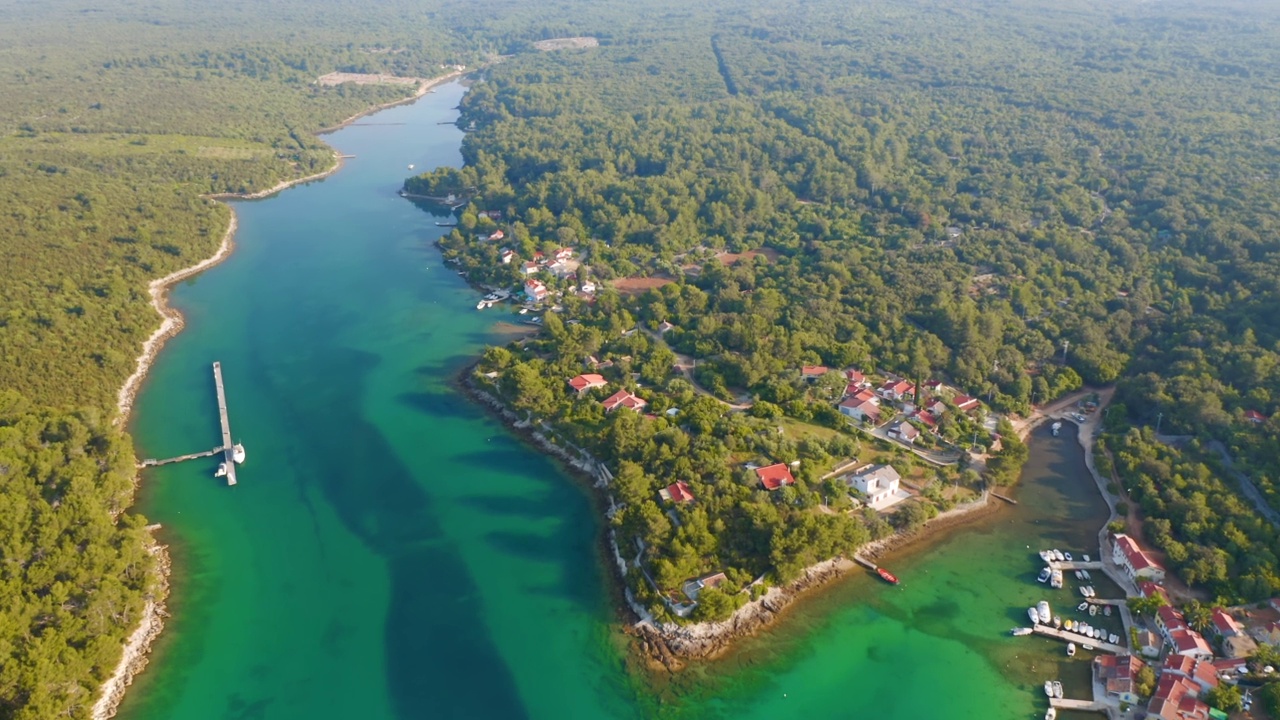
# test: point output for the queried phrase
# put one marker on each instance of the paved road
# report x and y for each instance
(1251, 491)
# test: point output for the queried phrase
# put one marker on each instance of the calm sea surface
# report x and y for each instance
(391, 552)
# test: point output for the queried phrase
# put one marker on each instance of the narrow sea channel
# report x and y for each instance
(391, 552)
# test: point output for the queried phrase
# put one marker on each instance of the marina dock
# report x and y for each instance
(1078, 705)
(1068, 636)
(227, 446)
(1076, 565)
(151, 462)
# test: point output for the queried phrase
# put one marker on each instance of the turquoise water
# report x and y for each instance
(391, 552)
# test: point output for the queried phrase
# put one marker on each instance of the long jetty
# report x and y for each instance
(1078, 705)
(151, 462)
(227, 446)
(1069, 636)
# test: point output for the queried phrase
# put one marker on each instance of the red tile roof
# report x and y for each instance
(1171, 618)
(587, 381)
(1146, 588)
(622, 398)
(813, 370)
(1224, 624)
(855, 376)
(680, 492)
(964, 402)
(1254, 416)
(1135, 555)
(775, 476)
(1168, 701)
(1186, 640)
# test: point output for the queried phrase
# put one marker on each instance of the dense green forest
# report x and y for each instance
(1016, 199)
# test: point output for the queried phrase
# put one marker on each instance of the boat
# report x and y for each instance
(1086, 574)
(482, 305)
(237, 453)
(1093, 610)
(1057, 689)
(1034, 615)
(1079, 576)
(887, 576)
(1106, 610)
(1099, 634)
(1057, 555)
(524, 311)
(1020, 631)
(1051, 714)
(1071, 649)
(1044, 575)
(1055, 580)
(1083, 606)
(411, 167)
(1113, 638)
(1042, 608)
(1048, 688)
(1057, 621)
(1087, 646)
(1056, 427)
(446, 224)
(1086, 558)
(1068, 624)
(221, 471)
(1045, 555)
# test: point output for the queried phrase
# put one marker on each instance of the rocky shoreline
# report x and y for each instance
(670, 646)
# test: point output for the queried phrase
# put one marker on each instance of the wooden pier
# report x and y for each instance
(1076, 565)
(1078, 705)
(151, 462)
(227, 446)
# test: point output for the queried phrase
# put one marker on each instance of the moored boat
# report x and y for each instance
(1042, 608)
(887, 576)
(1086, 558)
(1068, 624)
(1020, 631)
(1083, 606)
(1093, 610)
(1057, 621)
(1067, 555)
(1087, 646)
(1079, 575)
(237, 453)
(1106, 610)
(1034, 615)
(1045, 555)
(1071, 649)
(1044, 575)
(1051, 714)
(1056, 427)
(1113, 638)
(1057, 689)
(1048, 688)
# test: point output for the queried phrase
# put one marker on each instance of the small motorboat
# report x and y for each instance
(1057, 689)
(1079, 575)
(1071, 649)
(1048, 688)
(1045, 555)
(1057, 621)
(1086, 574)
(1055, 580)
(887, 576)
(1087, 646)
(1083, 606)
(411, 167)
(1106, 610)
(1034, 615)
(1051, 714)
(1020, 631)
(1067, 555)
(1114, 639)
(1093, 610)
(1085, 557)
(1057, 555)
(1042, 608)
(221, 471)
(1068, 624)
(1044, 575)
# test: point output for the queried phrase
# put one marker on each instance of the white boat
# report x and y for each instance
(1099, 634)
(1045, 555)
(1071, 649)
(1057, 621)
(411, 167)
(1093, 610)
(1048, 688)
(1087, 646)
(221, 471)
(1057, 689)
(1055, 580)
(1113, 638)
(1042, 608)
(1034, 615)
(1079, 576)
(1086, 558)
(1086, 574)
(1051, 714)
(237, 453)
(482, 305)
(1056, 427)
(1067, 555)
(1019, 632)
(1106, 610)
(1083, 606)
(1044, 575)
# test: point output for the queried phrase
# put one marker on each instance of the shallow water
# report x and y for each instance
(391, 552)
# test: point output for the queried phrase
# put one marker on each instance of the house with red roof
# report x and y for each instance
(966, 403)
(1269, 633)
(583, 383)
(896, 390)
(1225, 626)
(1231, 666)
(1175, 698)
(497, 235)
(623, 399)
(694, 587)
(813, 372)
(775, 476)
(1201, 672)
(862, 405)
(506, 255)
(535, 290)
(1126, 553)
(677, 492)
(926, 418)
(1254, 417)
(856, 378)
(1146, 588)
(529, 268)
(1119, 673)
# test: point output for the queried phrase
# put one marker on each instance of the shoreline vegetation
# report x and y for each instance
(137, 647)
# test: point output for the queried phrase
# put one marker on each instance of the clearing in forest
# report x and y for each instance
(566, 43)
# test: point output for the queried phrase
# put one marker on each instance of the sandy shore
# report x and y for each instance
(138, 645)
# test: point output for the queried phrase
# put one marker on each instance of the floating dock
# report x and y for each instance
(228, 450)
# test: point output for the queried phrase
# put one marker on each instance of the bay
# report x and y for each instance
(392, 552)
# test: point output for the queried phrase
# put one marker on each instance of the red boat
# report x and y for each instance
(887, 576)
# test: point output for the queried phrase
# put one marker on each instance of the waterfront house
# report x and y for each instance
(1146, 588)
(623, 399)
(677, 492)
(878, 485)
(1175, 698)
(775, 476)
(1135, 561)
(535, 290)
(1225, 626)
(966, 403)
(813, 372)
(904, 431)
(1119, 673)
(583, 383)
(1149, 643)
(694, 587)
(895, 390)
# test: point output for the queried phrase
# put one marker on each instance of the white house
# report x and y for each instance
(879, 485)
(904, 431)
(1136, 562)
